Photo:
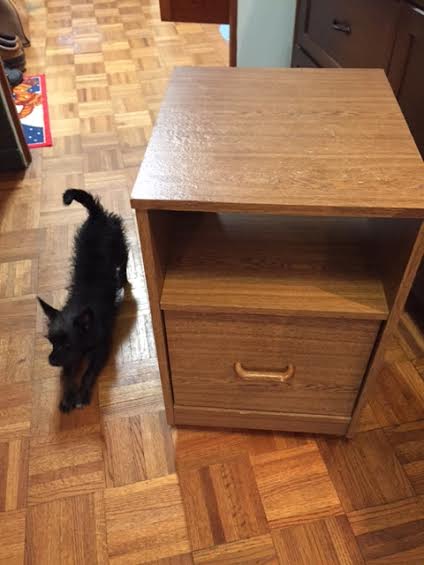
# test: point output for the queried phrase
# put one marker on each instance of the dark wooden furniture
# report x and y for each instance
(387, 34)
(202, 11)
(14, 151)
(280, 242)
(206, 12)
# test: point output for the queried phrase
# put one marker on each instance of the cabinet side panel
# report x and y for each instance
(154, 230)
(392, 244)
(398, 294)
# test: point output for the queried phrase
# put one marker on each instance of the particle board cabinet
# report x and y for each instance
(280, 217)
(387, 34)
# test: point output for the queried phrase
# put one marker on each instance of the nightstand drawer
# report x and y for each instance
(268, 363)
(348, 33)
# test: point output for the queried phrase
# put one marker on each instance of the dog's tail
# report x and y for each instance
(85, 198)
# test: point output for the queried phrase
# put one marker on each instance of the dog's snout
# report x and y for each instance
(53, 361)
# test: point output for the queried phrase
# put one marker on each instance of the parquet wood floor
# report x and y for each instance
(113, 483)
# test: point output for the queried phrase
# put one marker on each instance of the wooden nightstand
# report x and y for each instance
(280, 217)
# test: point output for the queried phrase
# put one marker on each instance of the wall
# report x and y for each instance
(265, 32)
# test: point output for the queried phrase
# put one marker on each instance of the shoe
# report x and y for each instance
(14, 76)
(8, 40)
(13, 18)
(13, 57)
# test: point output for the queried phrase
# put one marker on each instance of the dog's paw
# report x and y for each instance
(69, 402)
(65, 407)
(85, 398)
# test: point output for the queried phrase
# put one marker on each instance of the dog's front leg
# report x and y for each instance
(96, 361)
(70, 398)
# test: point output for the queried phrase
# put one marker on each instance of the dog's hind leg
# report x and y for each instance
(96, 361)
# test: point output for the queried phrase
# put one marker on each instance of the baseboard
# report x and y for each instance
(228, 418)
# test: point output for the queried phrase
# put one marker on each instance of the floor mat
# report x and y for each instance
(31, 103)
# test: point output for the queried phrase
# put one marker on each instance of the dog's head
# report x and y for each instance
(68, 332)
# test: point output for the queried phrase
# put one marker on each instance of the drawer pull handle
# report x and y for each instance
(261, 376)
(344, 28)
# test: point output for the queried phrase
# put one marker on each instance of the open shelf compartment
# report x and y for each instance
(273, 264)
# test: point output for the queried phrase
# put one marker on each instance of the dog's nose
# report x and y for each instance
(53, 361)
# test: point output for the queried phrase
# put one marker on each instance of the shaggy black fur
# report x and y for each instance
(82, 329)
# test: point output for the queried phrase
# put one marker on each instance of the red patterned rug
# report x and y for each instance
(31, 103)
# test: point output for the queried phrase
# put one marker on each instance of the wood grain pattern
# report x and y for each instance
(411, 336)
(18, 278)
(368, 420)
(208, 446)
(14, 457)
(405, 283)
(71, 530)
(145, 521)
(16, 356)
(236, 248)
(15, 410)
(354, 468)
(153, 229)
(257, 167)
(20, 208)
(399, 394)
(222, 503)
(254, 551)
(261, 264)
(107, 65)
(174, 560)
(15, 245)
(18, 313)
(329, 359)
(12, 535)
(408, 443)
(391, 533)
(131, 389)
(259, 420)
(47, 419)
(65, 464)
(295, 486)
(137, 448)
(324, 542)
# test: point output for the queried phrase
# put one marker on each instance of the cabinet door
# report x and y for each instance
(347, 33)
(406, 72)
(202, 11)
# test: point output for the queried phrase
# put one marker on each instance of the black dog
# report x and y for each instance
(83, 328)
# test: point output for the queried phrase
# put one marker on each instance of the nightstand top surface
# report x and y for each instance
(285, 141)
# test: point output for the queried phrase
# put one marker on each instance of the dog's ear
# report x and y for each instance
(84, 319)
(48, 310)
